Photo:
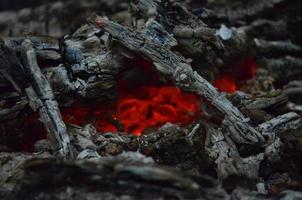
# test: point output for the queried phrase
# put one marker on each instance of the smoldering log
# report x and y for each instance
(167, 62)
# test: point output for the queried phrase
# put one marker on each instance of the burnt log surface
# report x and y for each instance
(116, 177)
(247, 146)
(44, 18)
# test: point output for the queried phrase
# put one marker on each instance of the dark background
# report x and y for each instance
(18, 4)
(51, 17)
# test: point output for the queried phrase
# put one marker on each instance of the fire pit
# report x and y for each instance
(153, 100)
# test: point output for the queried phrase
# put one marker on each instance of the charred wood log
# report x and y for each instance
(112, 177)
(42, 100)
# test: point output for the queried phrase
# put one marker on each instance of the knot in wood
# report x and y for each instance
(183, 77)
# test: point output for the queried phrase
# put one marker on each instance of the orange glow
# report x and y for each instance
(138, 109)
(231, 81)
(142, 103)
(226, 84)
(154, 106)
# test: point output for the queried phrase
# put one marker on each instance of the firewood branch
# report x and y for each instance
(42, 99)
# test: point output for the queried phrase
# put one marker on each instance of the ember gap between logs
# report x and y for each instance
(151, 99)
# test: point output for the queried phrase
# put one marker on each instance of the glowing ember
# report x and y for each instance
(154, 106)
(141, 108)
(138, 108)
(226, 84)
(231, 81)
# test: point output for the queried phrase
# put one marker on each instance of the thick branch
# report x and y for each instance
(42, 99)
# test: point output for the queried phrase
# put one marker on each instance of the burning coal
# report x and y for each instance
(231, 81)
(142, 106)
(139, 109)
(142, 103)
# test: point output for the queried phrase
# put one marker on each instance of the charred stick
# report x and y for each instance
(224, 152)
(286, 121)
(42, 99)
(283, 122)
(175, 66)
(229, 162)
(47, 48)
(194, 37)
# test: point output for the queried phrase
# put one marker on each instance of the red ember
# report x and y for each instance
(226, 84)
(138, 109)
(230, 81)
(141, 104)
(153, 106)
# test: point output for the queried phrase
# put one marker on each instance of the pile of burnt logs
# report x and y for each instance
(247, 145)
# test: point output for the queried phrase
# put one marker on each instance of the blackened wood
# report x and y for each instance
(112, 177)
(42, 99)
